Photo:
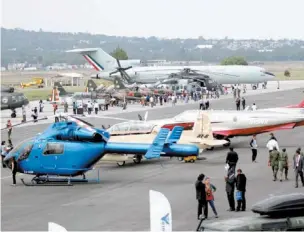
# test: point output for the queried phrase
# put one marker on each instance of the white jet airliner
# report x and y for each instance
(229, 74)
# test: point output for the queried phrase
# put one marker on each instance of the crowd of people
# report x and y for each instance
(236, 182)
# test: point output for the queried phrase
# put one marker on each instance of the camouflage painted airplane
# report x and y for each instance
(120, 91)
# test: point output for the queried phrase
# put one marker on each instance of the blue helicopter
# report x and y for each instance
(70, 148)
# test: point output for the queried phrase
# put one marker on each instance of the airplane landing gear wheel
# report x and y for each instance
(13, 115)
(227, 144)
(210, 148)
(137, 159)
(120, 164)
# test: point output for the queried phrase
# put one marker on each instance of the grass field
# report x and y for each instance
(43, 93)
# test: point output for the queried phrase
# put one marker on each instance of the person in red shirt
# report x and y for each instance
(210, 188)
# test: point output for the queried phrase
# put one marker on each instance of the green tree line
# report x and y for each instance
(47, 48)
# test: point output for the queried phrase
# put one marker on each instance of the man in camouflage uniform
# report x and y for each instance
(283, 164)
(274, 162)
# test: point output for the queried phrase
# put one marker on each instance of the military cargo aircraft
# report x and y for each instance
(230, 74)
(11, 100)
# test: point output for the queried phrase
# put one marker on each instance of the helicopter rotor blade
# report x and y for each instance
(118, 63)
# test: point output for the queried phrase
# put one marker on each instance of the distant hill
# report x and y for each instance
(48, 47)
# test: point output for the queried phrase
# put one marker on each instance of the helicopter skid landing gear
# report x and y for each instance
(46, 181)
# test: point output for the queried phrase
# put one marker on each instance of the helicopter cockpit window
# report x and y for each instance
(14, 99)
(18, 147)
(25, 152)
(54, 149)
(21, 98)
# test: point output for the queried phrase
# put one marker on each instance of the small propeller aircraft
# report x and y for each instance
(70, 148)
(227, 124)
(143, 131)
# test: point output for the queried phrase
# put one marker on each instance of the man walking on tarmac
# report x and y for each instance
(232, 159)
(200, 188)
(298, 165)
(254, 148)
(283, 164)
(274, 162)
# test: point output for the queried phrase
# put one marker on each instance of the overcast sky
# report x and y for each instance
(163, 18)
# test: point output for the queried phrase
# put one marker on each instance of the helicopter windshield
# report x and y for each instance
(131, 127)
(22, 150)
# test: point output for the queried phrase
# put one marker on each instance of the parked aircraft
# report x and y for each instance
(73, 149)
(231, 123)
(230, 74)
(11, 100)
(142, 131)
(120, 92)
(37, 81)
(60, 95)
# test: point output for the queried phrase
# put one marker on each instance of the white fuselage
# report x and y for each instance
(232, 74)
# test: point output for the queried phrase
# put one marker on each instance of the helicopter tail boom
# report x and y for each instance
(161, 146)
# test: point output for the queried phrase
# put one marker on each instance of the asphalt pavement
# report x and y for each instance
(121, 200)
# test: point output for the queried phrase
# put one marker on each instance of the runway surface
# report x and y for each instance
(48, 109)
(121, 200)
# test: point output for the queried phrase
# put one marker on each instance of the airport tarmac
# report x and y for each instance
(48, 108)
(121, 200)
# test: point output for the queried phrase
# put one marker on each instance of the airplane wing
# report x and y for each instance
(204, 142)
(281, 127)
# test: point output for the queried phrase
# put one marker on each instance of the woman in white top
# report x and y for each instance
(271, 144)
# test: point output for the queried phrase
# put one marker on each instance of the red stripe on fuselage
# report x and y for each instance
(256, 130)
(186, 125)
